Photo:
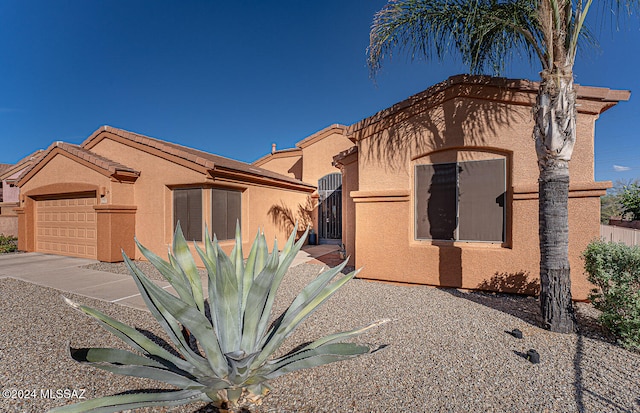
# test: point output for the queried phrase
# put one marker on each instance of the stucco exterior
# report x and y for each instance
(128, 182)
(132, 178)
(10, 193)
(468, 118)
(310, 160)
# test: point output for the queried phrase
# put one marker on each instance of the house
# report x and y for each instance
(440, 189)
(311, 161)
(9, 192)
(90, 200)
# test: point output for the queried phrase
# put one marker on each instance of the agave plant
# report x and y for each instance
(225, 337)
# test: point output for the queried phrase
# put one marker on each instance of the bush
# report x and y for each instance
(8, 243)
(615, 270)
(630, 201)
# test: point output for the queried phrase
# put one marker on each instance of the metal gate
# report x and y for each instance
(330, 207)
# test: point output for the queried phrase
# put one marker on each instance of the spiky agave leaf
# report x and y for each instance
(183, 260)
(234, 339)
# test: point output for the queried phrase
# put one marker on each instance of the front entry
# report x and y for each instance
(330, 209)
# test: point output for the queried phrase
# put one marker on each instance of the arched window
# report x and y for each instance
(461, 201)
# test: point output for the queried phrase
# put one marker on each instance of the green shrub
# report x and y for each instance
(8, 243)
(630, 201)
(615, 270)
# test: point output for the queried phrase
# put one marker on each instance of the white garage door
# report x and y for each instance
(67, 226)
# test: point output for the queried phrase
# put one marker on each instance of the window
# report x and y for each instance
(461, 201)
(225, 212)
(187, 209)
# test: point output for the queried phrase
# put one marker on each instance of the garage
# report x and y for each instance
(66, 225)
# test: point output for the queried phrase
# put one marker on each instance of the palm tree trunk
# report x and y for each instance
(554, 132)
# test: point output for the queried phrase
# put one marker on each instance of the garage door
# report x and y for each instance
(67, 225)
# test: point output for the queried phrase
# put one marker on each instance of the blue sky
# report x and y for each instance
(232, 77)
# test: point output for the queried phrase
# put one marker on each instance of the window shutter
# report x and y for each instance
(180, 209)
(482, 200)
(436, 193)
(219, 214)
(226, 210)
(234, 199)
(187, 208)
(195, 215)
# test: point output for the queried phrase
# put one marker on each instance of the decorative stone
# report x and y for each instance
(533, 356)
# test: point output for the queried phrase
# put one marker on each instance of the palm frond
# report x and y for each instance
(484, 33)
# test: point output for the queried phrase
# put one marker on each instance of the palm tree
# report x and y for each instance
(486, 33)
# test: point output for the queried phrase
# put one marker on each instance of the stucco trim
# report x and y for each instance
(201, 167)
(281, 154)
(190, 158)
(115, 209)
(320, 135)
(220, 172)
(591, 100)
(391, 195)
(82, 156)
(470, 148)
(576, 190)
(346, 157)
(62, 189)
(52, 154)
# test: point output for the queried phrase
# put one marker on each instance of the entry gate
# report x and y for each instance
(330, 207)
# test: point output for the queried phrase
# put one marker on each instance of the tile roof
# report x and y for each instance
(24, 163)
(309, 140)
(280, 153)
(4, 167)
(75, 150)
(205, 159)
(95, 159)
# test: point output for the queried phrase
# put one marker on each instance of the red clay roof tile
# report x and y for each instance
(93, 158)
(204, 159)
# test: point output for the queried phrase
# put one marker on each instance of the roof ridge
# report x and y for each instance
(197, 156)
(91, 157)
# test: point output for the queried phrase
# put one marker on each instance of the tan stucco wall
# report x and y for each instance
(285, 164)
(154, 226)
(464, 128)
(7, 208)
(312, 160)
(143, 206)
(59, 174)
(152, 195)
(317, 157)
(9, 225)
(349, 167)
(62, 169)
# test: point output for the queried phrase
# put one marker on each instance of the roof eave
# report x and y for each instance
(248, 177)
(599, 99)
(321, 134)
(283, 153)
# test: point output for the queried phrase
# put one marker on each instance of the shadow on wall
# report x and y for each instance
(515, 283)
(436, 123)
(422, 125)
(296, 169)
(284, 217)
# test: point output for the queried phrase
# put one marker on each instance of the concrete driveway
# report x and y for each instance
(65, 273)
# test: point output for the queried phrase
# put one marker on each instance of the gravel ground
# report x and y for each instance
(120, 268)
(444, 350)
